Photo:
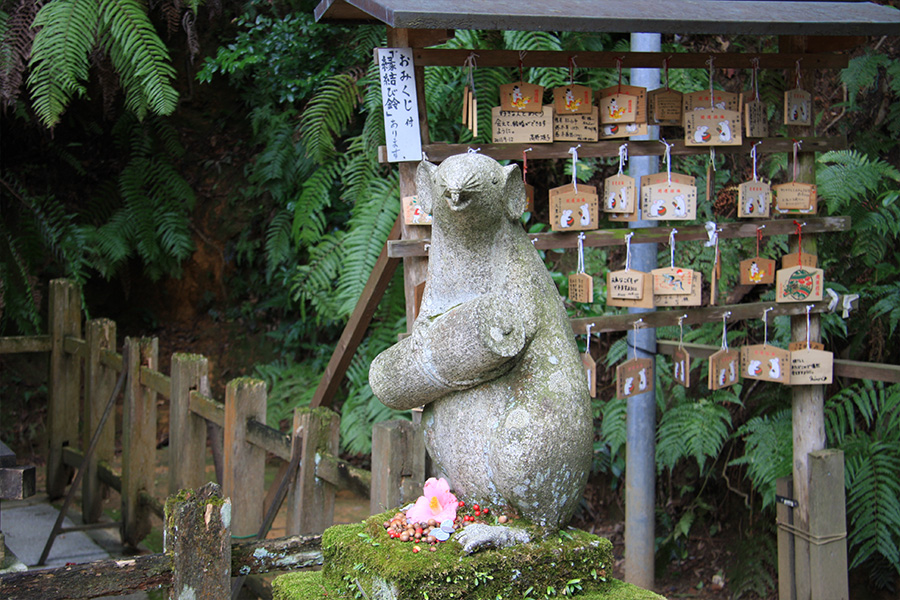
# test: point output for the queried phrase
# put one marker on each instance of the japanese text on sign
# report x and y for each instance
(398, 100)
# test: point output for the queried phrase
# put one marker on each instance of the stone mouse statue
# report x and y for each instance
(492, 355)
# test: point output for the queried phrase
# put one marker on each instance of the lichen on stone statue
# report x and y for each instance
(492, 355)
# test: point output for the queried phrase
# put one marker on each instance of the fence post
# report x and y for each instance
(138, 439)
(827, 526)
(784, 515)
(398, 464)
(65, 383)
(99, 383)
(198, 538)
(311, 500)
(245, 463)
(187, 431)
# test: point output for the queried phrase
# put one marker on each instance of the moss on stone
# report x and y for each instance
(300, 586)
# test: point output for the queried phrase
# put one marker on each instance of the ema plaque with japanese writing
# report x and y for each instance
(798, 107)
(666, 201)
(574, 209)
(695, 298)
(629, 288)
(766, 362)
(681, 367)
(701, 100)
(572, 100)
(619, 194)
(795, 258)
(576, 127)
(581, 288)
(665, 107)
(413, 213)
(811, 367)
(754, 199)
(795, 198)
(634, 377)
(712, 127)
(509, 127)
(521, 97)
(799, 284)
(756, 271)
(724, 369)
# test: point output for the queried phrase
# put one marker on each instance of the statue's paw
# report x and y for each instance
(479, 536)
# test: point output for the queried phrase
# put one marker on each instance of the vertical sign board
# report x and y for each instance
(400, 105)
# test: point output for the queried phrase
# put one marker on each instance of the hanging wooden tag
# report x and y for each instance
(765, 362)
(754, 199)
(529, 197)
(413, 213)
(663, 177)
(756, 271)
(612, 131)
(618, 108)
(629, 288)
(640, 101)
(756, 120)
(712, 127)
(572, 100)
(619, 194)
(521, 97)
(665, 107)
(513, 127)
(576, 127)
(724, 369)
(797, 107)
(811, 367)
(795, 197)
(799, 284)
(793, 259)
(590, 370)
(681, 367)
(695, 298)
(581, 288)
(634, 215)
(802, 345)
(700, 100)
(574, 211)
(669, 202)
(634, 377)
(672, 280)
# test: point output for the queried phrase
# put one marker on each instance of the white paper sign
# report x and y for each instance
(398, 100)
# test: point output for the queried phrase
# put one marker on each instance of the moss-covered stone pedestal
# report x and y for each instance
(362, 561)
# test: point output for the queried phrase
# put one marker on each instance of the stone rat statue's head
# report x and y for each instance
(471, 187)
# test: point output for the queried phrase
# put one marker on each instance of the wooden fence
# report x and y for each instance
(83, 368)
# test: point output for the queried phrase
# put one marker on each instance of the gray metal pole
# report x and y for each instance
(640, 456)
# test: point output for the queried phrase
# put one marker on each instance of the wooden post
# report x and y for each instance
(784, 487)
(808, 413)
(827, 526)
(138, 439)
(198, 538)
(398, 464)
(99, 383)
(245, 463)
(65, 383)
(187, 431)
(310, 499)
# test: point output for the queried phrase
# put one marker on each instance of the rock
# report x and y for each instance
(492, 355)
(479, 536)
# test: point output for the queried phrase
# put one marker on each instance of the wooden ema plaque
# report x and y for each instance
(618, 108)
(695, 298)
(665, 107)
(639, 94)
(795, 198)
(572, 100)
(521, 97)
(756, 271)
(669, 202)
(648, 180)
(811, 367)
(700, 100)
(581, 288)
(413, 213)
(574, 211)
(797, 107)
(629, 288)
(681, 367)
(625, 217)
(619, 194)
(754, 200)
(756, 117)
(590, 371)
(799, 284)
(672, 280)
(511, 127)
(724, 369)
(529, 197)
(802, 345)
(576, 127)
(613, 131)
(712, 127)
(794, 259)
(634, 377)
(765, 362)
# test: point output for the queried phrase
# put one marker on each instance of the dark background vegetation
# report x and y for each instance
(218, 188)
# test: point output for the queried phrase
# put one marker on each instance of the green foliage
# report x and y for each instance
(767, 452)
(693, 429)
(68, 31)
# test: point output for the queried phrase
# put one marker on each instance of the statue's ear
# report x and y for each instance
(514, 192)
(424, 181)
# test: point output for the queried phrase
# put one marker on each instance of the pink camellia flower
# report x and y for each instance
(437, 503)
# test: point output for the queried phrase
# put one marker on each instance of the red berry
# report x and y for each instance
(485, 511)
(462, 504)
(416, 548)
(476, 507)
(477, 513)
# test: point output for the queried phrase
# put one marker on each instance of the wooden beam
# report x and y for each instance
(269, 439)
(343, 475)
(616, 237)
(356, 326)
(156, 381)
(25, 343)
(630, 60)
(438, 152)
(75, 346)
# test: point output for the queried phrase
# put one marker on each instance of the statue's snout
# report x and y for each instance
(458, 199)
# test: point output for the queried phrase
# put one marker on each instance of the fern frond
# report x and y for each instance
(16, 38)
(139, 56)
(613, 429)
(767, 452)
(860, 74)
(695, 430)
(59, 56)
(278, 240)
(328, 114)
